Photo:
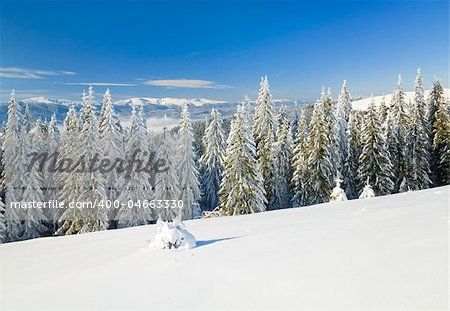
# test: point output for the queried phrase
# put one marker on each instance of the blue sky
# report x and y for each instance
(219, 50)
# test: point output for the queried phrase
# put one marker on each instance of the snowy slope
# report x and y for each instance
(387, 253)
(363, 104)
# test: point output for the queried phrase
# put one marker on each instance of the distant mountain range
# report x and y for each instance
(156, 108)
(200, 108)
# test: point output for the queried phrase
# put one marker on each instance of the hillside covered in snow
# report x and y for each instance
(362, 104)
(385, 253)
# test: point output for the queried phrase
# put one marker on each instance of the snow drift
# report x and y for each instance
(384, 253)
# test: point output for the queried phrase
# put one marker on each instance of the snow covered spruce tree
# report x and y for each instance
(383, 111)
(283, 169)
(187, 168)
(354, 151)
(2, 167)
(166, 181)
(338, 194)
(2, 222)
(418, 169)
(33, 225)
(396, 135)
(264, 130)
(91, 182)
(320, 152)
(70, 220)
(417, 145)
(27, 123)
(420, 102)
(439, 118)
(51, 146)
(343, 109)
(331, 127)
(152, 151)
(212, 161)
(241, 190)
(367, 192)
(111, 143)
(375, 166)
(14, 160)
(50, 177)
(299, 160)
(137, 187)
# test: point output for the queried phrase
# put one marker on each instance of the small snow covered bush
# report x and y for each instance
(338, 193)
(367, 192)
(172, 235)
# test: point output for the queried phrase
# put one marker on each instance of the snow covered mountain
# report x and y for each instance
(41, 100)
(168, 101)
(154, 108)
(386, 253)
(363, 104)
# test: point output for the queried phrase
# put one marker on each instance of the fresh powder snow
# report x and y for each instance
(383, 253)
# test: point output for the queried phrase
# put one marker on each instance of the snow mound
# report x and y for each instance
(172, 235)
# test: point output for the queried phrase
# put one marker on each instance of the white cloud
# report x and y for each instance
(186, 83)
(98, 83)
(24, 73)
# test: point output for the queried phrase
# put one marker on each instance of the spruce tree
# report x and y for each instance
(299, 160)
(187, 168)
(2, 167)
(338, 194)
(416, 150)
(111, 143)
(51, 144)
(137, 187)
(68, 147)
(14, 160)
(264, 130)
(332, 129)
(283, 170)
(91, 182)
(212, 161)
(320, 153)
(439, 119)
(3, 237)
(383, 113)
(375, 166)
(33, 217)
(397, 121)
(166, 183)
(71, 219)
(419, 101)
(241, 190)
(27, 123)
(354, 152)
(152, 151)
(343, 110)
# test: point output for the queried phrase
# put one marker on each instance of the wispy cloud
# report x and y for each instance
(187, 83)
(24, 73)
(27, 91)
(98, 83)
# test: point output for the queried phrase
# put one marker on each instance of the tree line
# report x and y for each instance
(262, 160)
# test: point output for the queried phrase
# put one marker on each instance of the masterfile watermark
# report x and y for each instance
(140, 161)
